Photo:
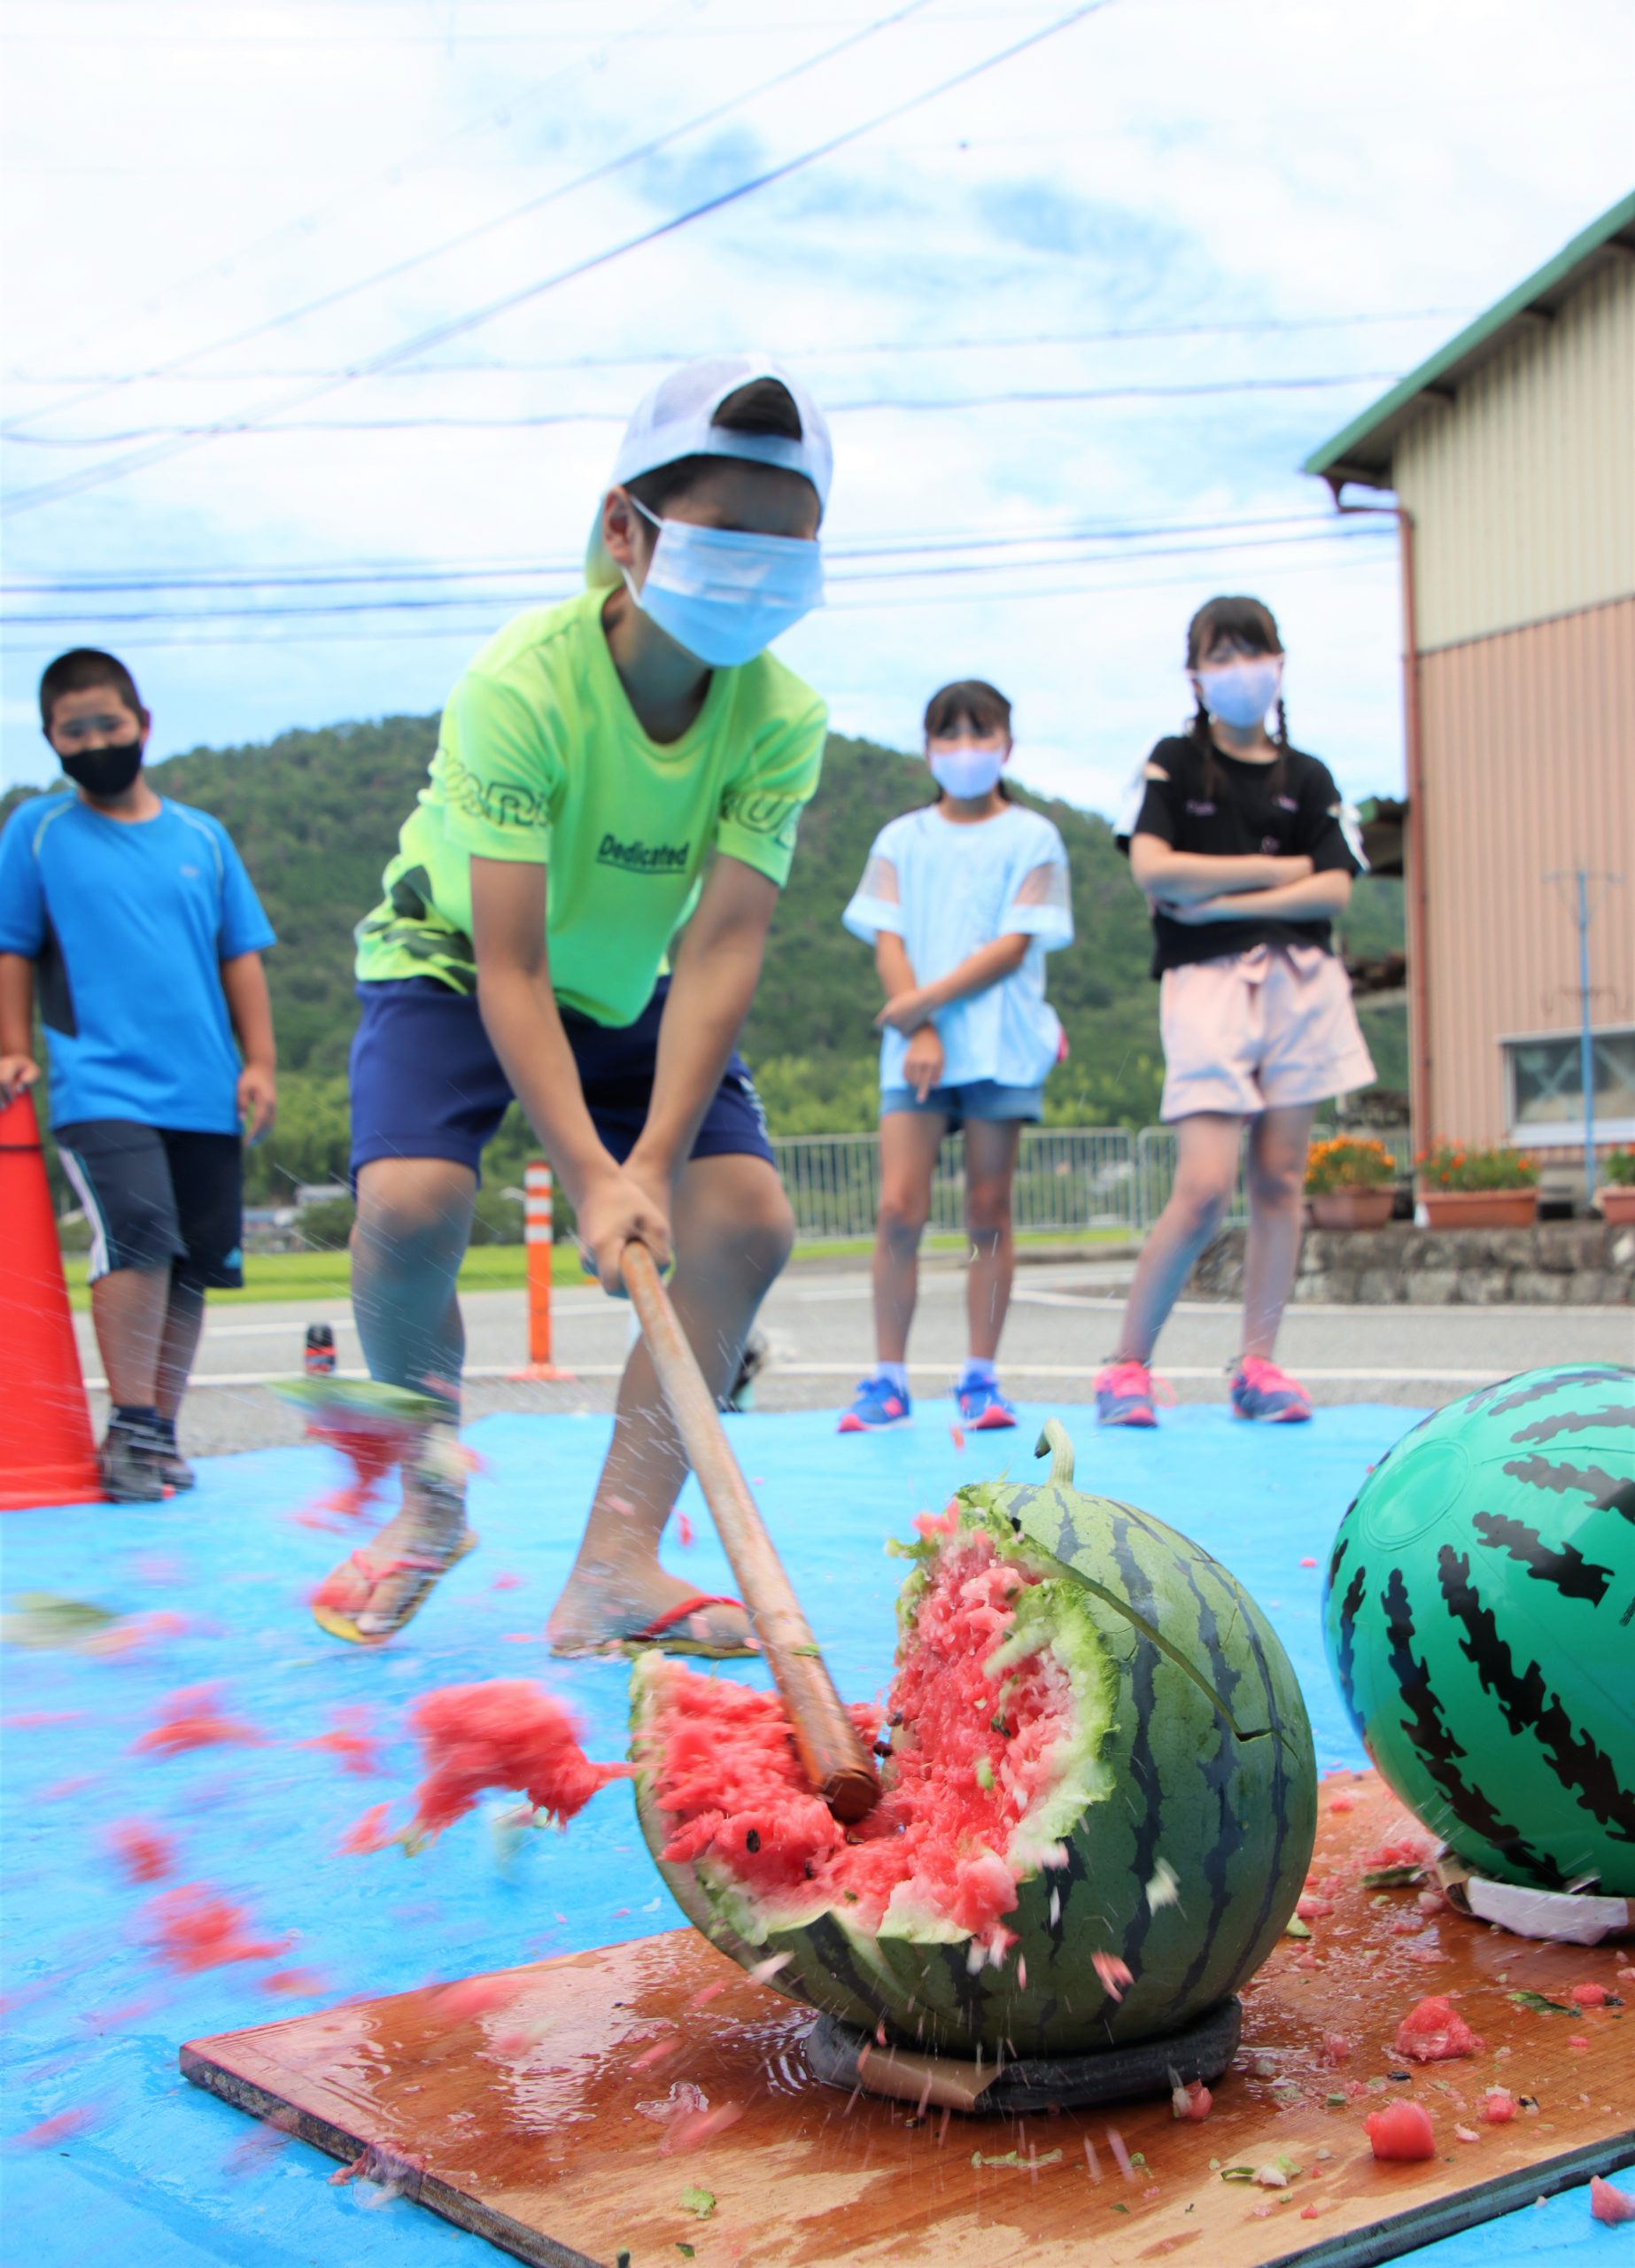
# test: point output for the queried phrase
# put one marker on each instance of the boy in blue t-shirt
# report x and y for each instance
(146, 936)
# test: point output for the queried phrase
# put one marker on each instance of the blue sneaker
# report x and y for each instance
(983, 1408)
(1260, 1389)
(877, 1406)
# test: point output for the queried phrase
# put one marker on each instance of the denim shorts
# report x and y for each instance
(980, 1098)
(426, 1081)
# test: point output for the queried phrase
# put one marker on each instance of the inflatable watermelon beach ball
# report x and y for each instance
(1099, 1793)
(1480, 1621)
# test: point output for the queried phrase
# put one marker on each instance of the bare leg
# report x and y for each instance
(990, 1168)
(413, 1223)
(184, 1320)
(909, 1141)
(733, 1230)
(128, 1309)
(1205, 1169)
(1278, 1141)
(413, 1219)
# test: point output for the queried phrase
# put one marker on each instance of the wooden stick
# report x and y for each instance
(830, 1748)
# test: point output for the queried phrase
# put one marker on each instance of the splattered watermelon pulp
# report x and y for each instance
(1097, 1808)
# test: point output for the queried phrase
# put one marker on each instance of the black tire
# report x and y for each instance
(1204, 2051)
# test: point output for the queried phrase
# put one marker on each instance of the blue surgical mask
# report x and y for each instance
(965, 768)
(724, 595)
(1240, 693)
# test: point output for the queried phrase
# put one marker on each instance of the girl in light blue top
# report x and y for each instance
(961, 900)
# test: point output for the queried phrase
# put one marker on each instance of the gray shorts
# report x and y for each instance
(158, 1197)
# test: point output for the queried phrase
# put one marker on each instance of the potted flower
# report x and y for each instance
(1614, 1199)
(1464, 1188)
(1350, 1183)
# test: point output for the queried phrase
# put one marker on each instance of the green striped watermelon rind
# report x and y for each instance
(1230, 1789)
(1478, 1624)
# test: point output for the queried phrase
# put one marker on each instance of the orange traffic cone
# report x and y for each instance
(46, 1453)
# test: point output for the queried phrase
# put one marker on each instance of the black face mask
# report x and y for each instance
(105, 772)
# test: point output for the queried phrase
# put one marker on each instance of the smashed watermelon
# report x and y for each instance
(1098, 1799)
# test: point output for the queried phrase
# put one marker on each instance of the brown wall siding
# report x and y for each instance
(1528, 766)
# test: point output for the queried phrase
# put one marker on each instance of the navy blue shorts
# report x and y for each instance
(426, 1081)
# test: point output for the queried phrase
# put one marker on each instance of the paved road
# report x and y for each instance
(817, 1321)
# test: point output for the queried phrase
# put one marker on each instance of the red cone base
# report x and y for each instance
(46, 1452)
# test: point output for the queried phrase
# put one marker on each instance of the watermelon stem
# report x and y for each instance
(1056, 1442)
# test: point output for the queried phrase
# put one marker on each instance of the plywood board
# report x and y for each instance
(532, 2121)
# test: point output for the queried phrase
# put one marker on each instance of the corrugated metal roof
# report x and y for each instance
(1363, 452)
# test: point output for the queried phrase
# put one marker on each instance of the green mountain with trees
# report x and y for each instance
(315, 815)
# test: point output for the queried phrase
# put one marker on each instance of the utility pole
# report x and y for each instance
(1583, 914)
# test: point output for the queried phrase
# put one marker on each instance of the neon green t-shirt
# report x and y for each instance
(541, 759)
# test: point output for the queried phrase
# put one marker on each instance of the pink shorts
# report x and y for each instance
(1258, 1030)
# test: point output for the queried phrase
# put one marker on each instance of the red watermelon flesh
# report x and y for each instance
(505, 1732)
(977, 1748)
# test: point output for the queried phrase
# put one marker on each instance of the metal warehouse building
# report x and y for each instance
(1512, 456)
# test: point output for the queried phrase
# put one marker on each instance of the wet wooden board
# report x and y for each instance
(525, 2123)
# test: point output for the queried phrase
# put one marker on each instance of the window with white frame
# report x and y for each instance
(1544, 1082)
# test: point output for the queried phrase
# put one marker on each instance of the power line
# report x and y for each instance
(657, 357)
(863, 573)
(422, 630)
(115, 468)
(531, 421)
(302, 42)
(303, 224)
(411, 260)
(914, 545)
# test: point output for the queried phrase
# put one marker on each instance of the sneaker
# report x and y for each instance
(174, 1470)
(1260, 1389)
(131, 1466)
(741, 1395)
(983, 1409)
(1124, 1395)
(876, 1407)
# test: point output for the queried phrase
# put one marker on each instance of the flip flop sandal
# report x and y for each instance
(342, 1623)
(660, 1632)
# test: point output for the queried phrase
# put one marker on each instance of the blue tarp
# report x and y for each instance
(158, 2175)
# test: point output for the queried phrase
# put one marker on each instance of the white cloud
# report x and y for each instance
(1166, 162)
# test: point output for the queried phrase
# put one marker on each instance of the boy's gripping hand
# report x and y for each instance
(615, 1209)
(18, 1074)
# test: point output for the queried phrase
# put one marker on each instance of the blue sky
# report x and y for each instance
(1249, 191)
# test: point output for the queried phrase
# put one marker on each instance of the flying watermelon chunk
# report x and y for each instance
(1085, 1704)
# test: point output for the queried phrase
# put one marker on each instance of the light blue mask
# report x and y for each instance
(724, 595)
(1240, 693)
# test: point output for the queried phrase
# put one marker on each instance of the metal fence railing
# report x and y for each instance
(1067, 1178)
(1155, 1172)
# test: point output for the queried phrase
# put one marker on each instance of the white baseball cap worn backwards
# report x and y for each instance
(673, 420)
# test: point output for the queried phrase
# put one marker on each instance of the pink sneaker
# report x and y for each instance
(1124, 1395)
(1260, 1389)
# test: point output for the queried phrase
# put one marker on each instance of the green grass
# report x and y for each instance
(502, 1267)
(326, 1275)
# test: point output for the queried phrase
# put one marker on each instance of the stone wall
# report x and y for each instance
(1555, 1263)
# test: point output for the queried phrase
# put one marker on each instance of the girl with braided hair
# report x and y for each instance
(1245, 853)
